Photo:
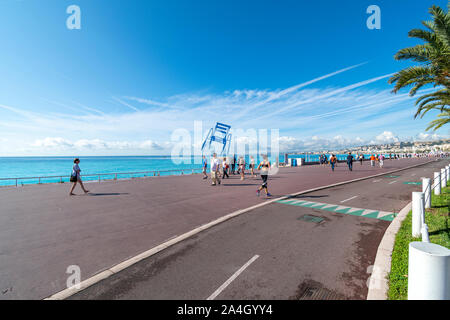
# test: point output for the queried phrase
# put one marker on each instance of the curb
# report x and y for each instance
(64, 294)
(378, 282)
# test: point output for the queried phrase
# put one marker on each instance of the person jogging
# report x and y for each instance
(333, 161)
(265, 167)
(350, 161)
(204, 166)
(76, 177)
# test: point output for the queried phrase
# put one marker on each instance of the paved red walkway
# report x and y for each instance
(43, 230)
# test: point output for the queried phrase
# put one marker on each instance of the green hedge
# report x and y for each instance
(438, 222)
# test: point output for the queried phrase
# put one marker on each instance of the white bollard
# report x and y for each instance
(428, 272)
(443, 181)
(437, 183)
(426, 189)
(417, 213)
(424, 231)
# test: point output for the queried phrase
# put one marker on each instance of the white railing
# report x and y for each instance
(429, 264)
(98, 176)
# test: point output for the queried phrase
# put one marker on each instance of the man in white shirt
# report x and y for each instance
(215, 167)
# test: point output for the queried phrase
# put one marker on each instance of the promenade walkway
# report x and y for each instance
(43, 230)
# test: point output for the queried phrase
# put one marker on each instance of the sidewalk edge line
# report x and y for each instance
(378, 285)
(106, 273)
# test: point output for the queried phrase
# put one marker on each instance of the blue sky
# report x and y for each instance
(138, 70)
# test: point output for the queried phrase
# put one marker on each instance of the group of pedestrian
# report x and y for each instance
(223, 168)
(323, 160)
(379, 158)
(334, 161)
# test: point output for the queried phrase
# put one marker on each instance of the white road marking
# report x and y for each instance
(413, 175)
(348, 199)
(377, 180)
(231, 279)
(393, 182)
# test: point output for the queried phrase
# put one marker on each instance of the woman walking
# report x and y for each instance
(242, 167)
(381, 160)
(76, 177)
(252, 166)
(265, 167)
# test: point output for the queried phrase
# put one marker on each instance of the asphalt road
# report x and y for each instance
(43, 230)
(271, 253)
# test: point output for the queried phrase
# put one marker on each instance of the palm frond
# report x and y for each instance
(443, 118)
(433, 57)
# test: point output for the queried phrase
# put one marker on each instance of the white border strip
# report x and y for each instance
(64, 294)
(378, 283)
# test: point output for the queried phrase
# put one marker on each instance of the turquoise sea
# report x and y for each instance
(58, 169)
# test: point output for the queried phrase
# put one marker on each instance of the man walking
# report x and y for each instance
(225, 168)
(350, 161)
(333, 161)
(372, 161)
(233, 164)
(204, 166)
(215, 170)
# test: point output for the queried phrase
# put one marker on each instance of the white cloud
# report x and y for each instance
(316, 143)
(57, 143)
(148, 101)
(386, 137)
(428, 137)
(149, 144)
(51, 142)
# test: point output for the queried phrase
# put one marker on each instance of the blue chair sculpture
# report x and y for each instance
(219, 134)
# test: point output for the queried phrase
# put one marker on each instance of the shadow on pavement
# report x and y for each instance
(92, 194)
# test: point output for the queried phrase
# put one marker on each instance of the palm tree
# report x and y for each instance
(434, 68)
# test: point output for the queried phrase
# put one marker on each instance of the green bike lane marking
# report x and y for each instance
(366, 213)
